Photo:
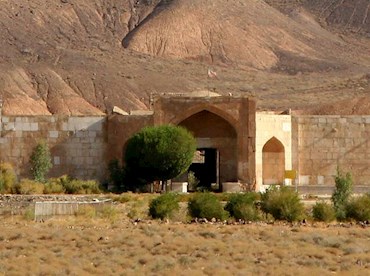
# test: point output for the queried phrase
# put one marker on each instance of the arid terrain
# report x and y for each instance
(84, 57)
(114, 245)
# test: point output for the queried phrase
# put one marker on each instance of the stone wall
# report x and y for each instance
(78, 144)
(322, 143)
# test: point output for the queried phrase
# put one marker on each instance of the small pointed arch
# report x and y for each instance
(273, 145)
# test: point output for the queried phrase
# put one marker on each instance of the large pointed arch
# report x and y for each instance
(198, 108)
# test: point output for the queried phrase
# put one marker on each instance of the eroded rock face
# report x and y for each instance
(66, 57)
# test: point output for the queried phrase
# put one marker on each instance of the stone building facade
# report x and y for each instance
(237, 146)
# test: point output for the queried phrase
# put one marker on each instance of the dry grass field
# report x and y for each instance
(110, 243)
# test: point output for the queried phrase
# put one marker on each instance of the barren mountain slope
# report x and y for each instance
(248, 33)
(66, 56)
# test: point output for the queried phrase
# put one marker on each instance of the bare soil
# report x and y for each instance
(84, 57)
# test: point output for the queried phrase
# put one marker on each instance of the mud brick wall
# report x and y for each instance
(77, 144)
(322, 143)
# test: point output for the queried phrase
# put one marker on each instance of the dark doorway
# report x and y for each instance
(205, 167)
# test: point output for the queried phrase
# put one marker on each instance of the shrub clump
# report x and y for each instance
(40, 161)
(282, 204)
(206, 205)
(323, 211)
(342, 194)
(164, 206)
(359, 208)
(7, 178)
(54, 186)
(77, 186)
(29, 187)
(242, 206)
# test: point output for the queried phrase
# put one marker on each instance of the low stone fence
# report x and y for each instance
(45, 209)
(16, 204)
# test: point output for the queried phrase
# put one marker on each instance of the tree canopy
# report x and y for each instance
(159, 153)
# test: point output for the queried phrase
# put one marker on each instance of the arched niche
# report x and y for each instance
(273, 162)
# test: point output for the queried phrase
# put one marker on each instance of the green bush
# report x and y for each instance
(323, 211)
(341, 194)
(359, 208)
(54, 186)
(158, 153)
(242, 206)
(282, 204)
(40, 161)
(164, 206)
(206, 205)
(29, 187)
(76, 186)
(7, 178)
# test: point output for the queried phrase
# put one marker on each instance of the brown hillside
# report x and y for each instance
(242, 32)
(66, 56)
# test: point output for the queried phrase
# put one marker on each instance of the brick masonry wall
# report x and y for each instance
(77, 144)
(322, 143)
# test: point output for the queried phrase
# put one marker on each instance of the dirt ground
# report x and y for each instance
(116, 245)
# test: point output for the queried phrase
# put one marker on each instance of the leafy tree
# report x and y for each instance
(342, 193)
(158, 153)
(40, 161)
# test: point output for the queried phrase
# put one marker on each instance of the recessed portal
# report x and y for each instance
(217, 140)
(273, 159)
(206, 167)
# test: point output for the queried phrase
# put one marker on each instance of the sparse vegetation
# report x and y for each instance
(7, 178)
(164, 206)
(29, 187)
(206, 205)
(40, 161)
(323, 211)
(342, 194)
(54, 186)
(282, 203)
(242, 206)
(358, 208)
(77, 186)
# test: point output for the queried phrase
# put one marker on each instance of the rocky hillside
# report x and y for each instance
(85, 56)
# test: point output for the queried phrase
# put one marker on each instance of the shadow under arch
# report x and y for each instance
(199, 108)
(273, 162)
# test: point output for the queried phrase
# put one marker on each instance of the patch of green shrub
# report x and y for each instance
(206, 205)
(77, 186)
(341, 194)
(282, 203)
(40, 161)
(242, 206)
(29, 187)
(164, 206)
(323, 211)
(358, 208)
(54, 186)
(7, 178)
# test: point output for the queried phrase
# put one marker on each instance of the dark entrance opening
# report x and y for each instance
(205, 167)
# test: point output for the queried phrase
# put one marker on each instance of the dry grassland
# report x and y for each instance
(111, 244)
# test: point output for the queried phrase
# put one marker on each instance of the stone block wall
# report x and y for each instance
(77, 144)
(322, 143)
